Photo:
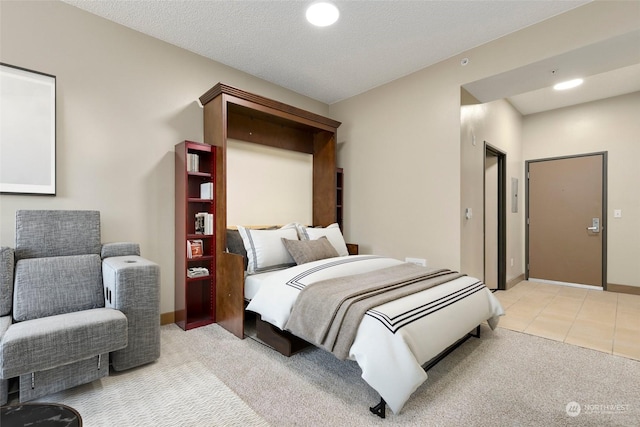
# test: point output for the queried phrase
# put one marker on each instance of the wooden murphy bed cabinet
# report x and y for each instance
(194, 296)
(236, 114)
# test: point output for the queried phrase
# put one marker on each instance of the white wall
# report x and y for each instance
(397, 143)
(500, 125)
(123, 101)
(610, 125)
(401, 141)
(268, 185)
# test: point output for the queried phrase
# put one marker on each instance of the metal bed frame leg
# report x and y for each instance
(477, 334)
(379, 409)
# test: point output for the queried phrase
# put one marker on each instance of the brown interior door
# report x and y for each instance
(566, 220)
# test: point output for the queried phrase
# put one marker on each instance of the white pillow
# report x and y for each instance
(332, 232)
(265, 250)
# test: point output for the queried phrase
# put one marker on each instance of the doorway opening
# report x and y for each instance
(495, 218)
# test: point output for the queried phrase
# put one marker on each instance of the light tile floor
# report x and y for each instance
(604, 321)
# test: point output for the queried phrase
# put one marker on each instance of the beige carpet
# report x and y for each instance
(505, 378)
(170, 392)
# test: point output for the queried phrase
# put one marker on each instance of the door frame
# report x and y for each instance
(502, 212)
(603, 216)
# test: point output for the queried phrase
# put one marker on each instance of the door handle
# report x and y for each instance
(592, 228)
(595, 225)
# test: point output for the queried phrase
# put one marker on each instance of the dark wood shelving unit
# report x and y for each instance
(194, 296)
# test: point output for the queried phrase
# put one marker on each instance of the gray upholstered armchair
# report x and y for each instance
(70, 305)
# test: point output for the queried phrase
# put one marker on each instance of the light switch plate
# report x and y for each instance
(617, 213)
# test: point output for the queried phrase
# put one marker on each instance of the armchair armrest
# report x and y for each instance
(132, 285)
(119, 249)
(7, 263)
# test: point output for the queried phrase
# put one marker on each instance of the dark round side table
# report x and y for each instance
(39, 414)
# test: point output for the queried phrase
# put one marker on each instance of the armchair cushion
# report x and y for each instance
(47, 233)
(56, 285)
(6, 280)
(41, 344)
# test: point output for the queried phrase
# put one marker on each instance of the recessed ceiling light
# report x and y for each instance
(322, 13)
(568, 84)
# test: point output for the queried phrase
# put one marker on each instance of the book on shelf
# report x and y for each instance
(204, 223)
(193, 162)
(206, 190)
(197, 272)
(194, 248)
(200, 220)
(208, 225)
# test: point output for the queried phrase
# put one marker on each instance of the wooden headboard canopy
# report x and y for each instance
(236, 114)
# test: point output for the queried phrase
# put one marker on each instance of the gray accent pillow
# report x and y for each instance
(235, 245)
(304, 251)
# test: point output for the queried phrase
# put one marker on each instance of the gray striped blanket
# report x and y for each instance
(328, 313)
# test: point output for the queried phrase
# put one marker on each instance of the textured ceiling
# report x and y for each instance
(372, 43)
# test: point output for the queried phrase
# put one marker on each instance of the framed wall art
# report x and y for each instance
(27, 131)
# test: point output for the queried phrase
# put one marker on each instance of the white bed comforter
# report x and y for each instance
(394, 339)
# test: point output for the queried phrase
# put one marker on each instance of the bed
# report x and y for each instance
(392, 339)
